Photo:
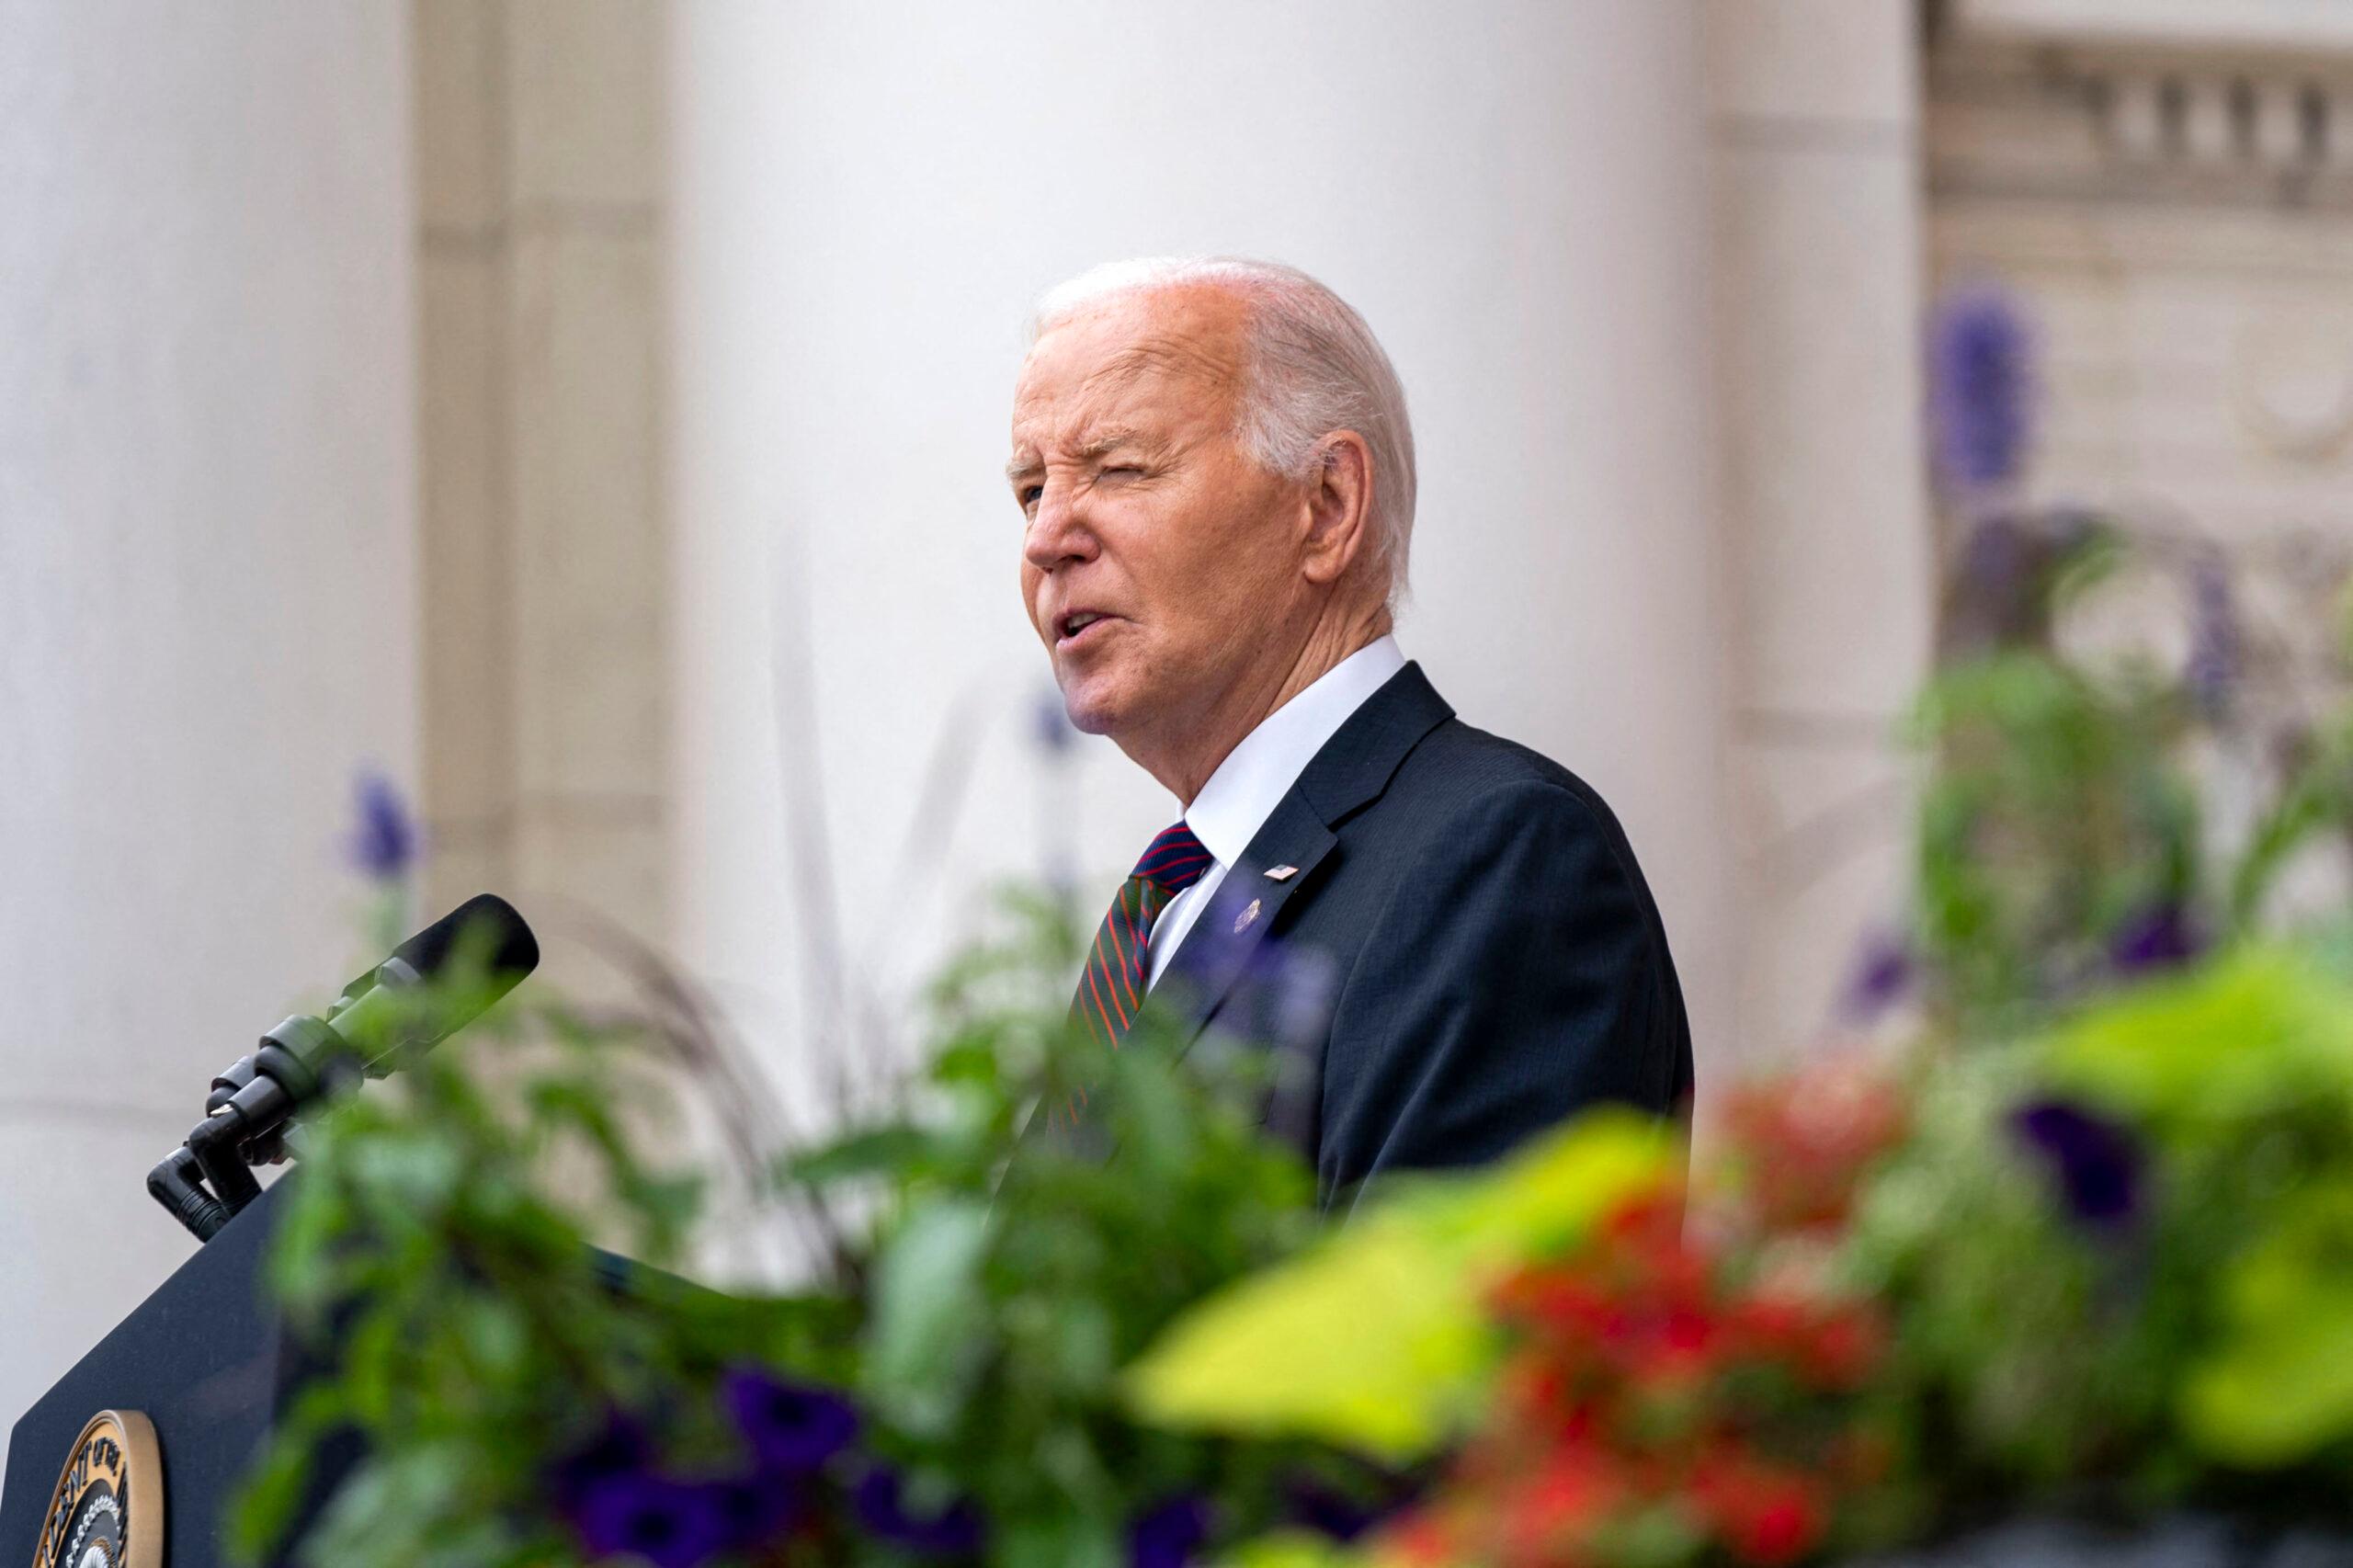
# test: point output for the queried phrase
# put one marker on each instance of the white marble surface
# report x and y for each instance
(208, 584)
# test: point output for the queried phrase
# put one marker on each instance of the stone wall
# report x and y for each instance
(541, 179)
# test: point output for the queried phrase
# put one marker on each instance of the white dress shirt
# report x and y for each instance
(1256, 775)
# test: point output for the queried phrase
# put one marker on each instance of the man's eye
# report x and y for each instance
(1028, 494)
(1123, 468)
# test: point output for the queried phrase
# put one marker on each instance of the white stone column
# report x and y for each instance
(208, 597)
(538, 127)
(1815, 125)
(867, 197)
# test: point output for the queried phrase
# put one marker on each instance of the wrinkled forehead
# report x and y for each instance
(1138, 363)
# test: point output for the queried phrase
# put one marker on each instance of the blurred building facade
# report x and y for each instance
(2169, 189)
(586, 410)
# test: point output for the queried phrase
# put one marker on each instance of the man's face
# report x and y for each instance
(1160, 565)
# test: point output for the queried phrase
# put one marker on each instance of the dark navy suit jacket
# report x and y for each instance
(1493, 957)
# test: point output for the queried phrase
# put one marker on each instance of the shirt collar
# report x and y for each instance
(1256, 775)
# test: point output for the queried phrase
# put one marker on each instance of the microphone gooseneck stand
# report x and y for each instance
(245, 1123)
(381, 1019)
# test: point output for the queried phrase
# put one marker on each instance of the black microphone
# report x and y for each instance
(431, 986)
(395, 1011)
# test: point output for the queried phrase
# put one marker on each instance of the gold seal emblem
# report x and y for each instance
(107, 1510)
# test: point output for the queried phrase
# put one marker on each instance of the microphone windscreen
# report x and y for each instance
(488, 924)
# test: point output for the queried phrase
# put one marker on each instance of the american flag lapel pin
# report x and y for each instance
(1282, 873)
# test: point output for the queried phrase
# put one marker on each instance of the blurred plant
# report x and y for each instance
(1006, 1290)
(433, 1251)
(1980, 387)
(2105, 1271)
(384, 841)
(385, 846)
(2056, 826)
(2121, 764)
(946, 1387)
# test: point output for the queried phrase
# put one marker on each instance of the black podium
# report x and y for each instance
(209, 1363)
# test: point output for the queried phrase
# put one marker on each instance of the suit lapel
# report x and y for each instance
(1352, 769)
(1218, 948)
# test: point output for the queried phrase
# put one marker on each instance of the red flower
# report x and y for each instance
(1844, 1347)
(1672, 1344)
(1808, 1139)
(1766, 1515)
(1630, 1386)
(1553, 1513)
(1649, 1222)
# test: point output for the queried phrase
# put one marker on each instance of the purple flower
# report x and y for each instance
(670, 1523)
(752, 1510)
(1883, 972)
(383, 845)
(1167, 1535)
(1332, 1513)
(881, 1504)
(2214, 638)
(618, 1451)
(793, 1427)
(2161, 938)
(1979, 386)
(2098, 1162)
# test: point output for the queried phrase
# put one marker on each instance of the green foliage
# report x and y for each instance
(471, 1332)
(998, 1274)
(1379, 1339)
(2087, 815)
(2168, 1354)
(2175, 1337)
(2023, 1362)
(2243, 1077)
(1018, 1264)
(2261, 1038)
(2278, 1389)
(2055, 813)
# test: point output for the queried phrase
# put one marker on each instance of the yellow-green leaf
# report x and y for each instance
(2262, 1027)
(1377, 1339)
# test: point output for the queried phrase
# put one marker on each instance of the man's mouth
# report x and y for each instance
(1073, 625)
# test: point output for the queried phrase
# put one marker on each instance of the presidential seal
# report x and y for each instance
(107, 1511)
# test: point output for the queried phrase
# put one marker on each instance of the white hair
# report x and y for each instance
(1314, 368)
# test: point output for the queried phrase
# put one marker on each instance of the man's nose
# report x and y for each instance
(1058, 534)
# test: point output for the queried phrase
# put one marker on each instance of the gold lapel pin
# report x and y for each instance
(1242, 921)
(1282, 873)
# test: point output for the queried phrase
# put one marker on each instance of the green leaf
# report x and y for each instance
(497, 1338)
(2281, 1387)
(924, 1340)
(1378, 1339)
(2261, 1028)
(1289, 1548)
(884, 1150)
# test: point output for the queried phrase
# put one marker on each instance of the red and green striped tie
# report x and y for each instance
(1118, 972)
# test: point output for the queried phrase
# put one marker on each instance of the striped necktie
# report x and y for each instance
(1118, 972)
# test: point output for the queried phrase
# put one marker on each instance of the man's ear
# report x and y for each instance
(1338, 507)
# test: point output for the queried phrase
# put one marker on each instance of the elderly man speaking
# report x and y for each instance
(1214, 462)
